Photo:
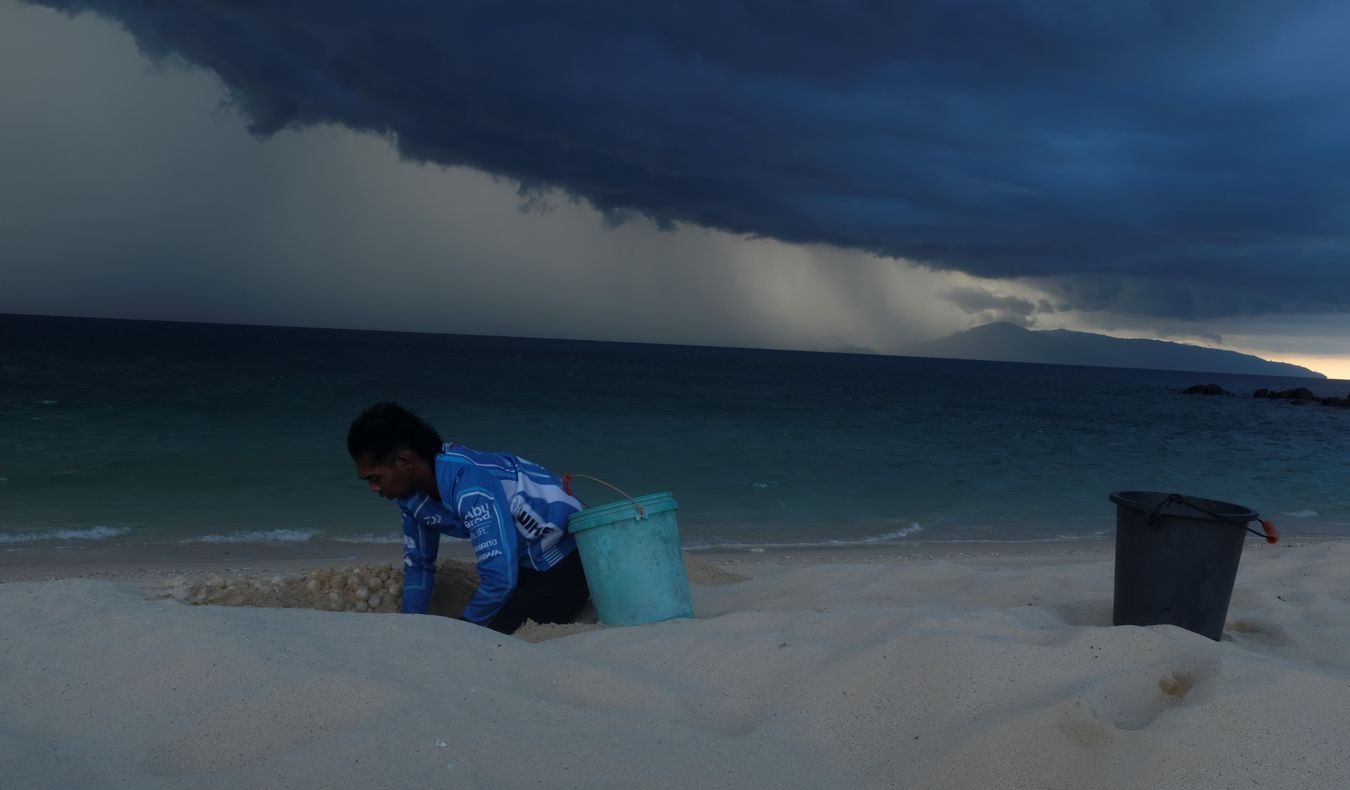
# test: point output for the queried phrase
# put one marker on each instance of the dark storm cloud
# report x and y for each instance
(1182, 159)
(993, 307)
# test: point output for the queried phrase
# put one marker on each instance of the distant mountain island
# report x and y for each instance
(1004, 342)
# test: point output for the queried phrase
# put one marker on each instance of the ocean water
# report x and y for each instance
(161, 435)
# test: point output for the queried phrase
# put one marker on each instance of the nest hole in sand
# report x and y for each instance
(379, 588)
(358, 588)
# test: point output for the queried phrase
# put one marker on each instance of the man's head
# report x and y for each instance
(393, 449)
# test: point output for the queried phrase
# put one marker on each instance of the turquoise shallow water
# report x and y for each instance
(150, 433)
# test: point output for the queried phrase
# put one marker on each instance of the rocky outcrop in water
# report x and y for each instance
(1206, 389)
(1300, 396)
(1301, 393)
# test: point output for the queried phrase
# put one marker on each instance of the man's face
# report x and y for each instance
(390, 478)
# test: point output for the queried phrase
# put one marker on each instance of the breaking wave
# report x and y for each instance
(94, 533)
(897, 535)
(371, 538)
(258, 536)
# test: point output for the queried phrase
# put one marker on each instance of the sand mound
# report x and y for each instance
(704, 572)
(979, 673)
(541, 632)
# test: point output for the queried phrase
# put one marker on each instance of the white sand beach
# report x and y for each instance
(993, 668)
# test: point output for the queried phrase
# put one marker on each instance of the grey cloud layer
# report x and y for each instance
(1182, 159)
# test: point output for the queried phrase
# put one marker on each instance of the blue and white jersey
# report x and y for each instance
(514, 511)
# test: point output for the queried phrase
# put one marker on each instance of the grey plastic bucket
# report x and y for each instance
(1176, 559)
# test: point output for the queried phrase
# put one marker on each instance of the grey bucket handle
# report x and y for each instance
(1271, 535)
(567, 487)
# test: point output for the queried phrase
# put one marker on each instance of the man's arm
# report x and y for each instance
(482, 505)
(419, 566)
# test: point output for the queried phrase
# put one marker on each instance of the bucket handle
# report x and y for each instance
(1271, 533)
(567, 487)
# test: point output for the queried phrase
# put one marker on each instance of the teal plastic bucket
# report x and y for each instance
(633, 562)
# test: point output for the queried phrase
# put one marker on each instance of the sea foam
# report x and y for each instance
(391, 537)
(897, 535)
(94, 533)
(258, 536)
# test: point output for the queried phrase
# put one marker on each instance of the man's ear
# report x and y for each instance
(404, 459)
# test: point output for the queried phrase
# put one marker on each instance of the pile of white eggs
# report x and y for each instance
(360, 588)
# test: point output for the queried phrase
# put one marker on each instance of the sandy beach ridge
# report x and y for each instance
(987, 667)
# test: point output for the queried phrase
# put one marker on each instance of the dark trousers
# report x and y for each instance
(553, 596)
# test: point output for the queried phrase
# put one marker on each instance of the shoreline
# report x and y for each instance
(150, 562)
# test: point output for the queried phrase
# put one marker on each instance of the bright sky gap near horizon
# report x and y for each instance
(816, 177)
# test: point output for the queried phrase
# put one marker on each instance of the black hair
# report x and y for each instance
(385, 428)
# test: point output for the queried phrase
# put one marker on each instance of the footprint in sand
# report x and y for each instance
(1134, 700)
(1090, 613)
(1177, 684)
(1260, 632)
(1082, 726)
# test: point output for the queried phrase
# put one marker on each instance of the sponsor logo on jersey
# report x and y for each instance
(477, 515)
(529, 524)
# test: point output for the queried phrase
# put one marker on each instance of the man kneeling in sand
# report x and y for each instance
(514, 511)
